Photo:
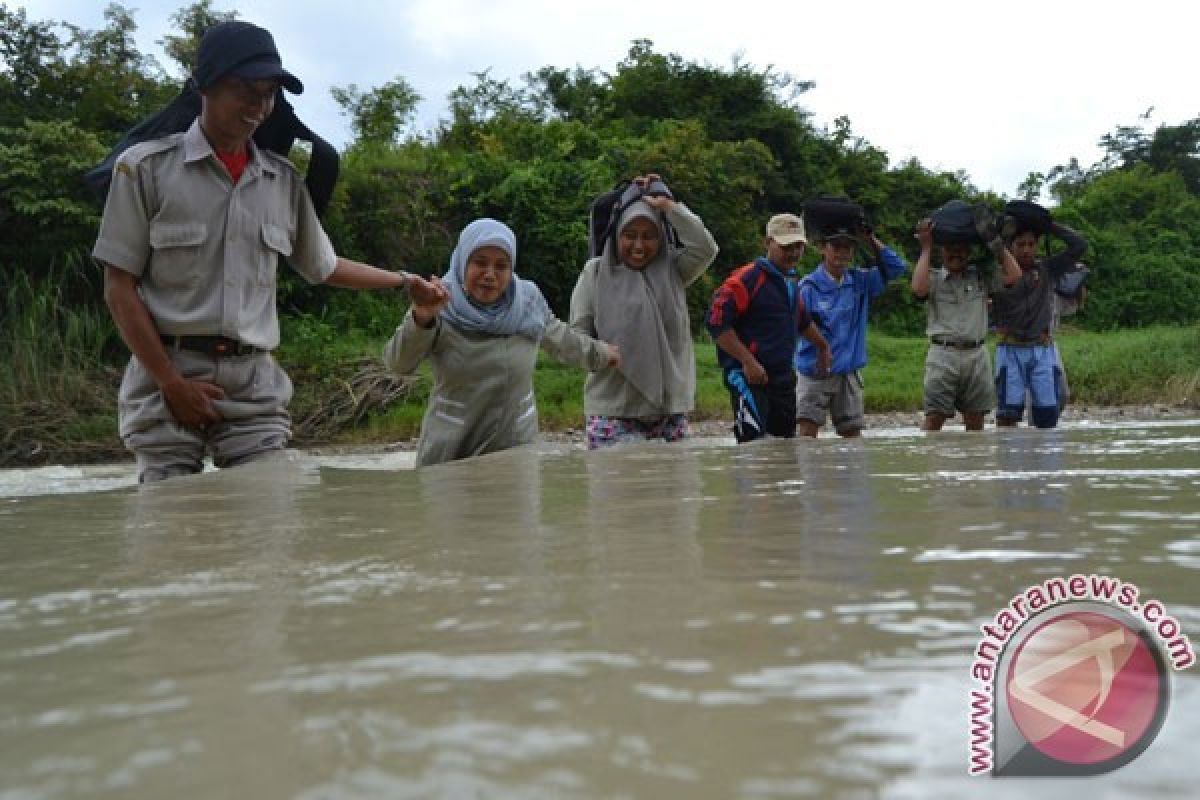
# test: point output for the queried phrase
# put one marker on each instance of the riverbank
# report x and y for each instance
(64, 411)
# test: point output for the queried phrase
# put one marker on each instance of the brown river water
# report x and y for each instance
(787, 619)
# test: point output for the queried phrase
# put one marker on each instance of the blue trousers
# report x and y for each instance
(1033, 369)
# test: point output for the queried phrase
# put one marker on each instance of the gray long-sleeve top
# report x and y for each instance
(482, 398)
(1025, 310)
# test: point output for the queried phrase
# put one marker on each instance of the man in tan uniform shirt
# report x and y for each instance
(192, 232)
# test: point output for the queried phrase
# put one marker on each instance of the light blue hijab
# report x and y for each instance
(522, 310)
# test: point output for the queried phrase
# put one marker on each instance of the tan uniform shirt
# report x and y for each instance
(206, 251)
(958, 307)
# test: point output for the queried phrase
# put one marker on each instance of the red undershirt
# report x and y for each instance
(235, 163)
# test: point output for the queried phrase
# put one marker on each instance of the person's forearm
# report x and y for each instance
(729, 342)
(355, 275)
(813, 334)
(1012, 269)
(1076, 244)
(920, 278)
(891, 265)
(136, 326)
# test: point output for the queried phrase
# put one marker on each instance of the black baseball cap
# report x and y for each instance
(243, 49)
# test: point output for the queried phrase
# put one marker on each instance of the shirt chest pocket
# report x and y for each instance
(277, 242)
(178, 253)
(952, 295)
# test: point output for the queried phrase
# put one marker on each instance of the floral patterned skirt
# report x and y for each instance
(608, 431)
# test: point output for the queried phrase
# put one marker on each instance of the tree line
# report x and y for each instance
(735, 142)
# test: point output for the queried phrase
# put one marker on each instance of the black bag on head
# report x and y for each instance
(954, 223)
(606, 211)
(1028, 216)
(830, 215)
(277, 133)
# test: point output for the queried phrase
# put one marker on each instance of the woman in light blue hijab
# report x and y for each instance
(482, 342)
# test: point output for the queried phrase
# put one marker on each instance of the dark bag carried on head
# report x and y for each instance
(954, 223)
(1028, 216)
(827, 215)
(277, 133)
(606, 212)
(1070, 284)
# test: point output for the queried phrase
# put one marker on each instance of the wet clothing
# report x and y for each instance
(1024, 312)
(839, 395)
(761, 305)
(1033, 369)
(206, 251)
(958, 379)
(1025, 318)
(254, 418)
(644, 312)
(840, 311)
(762, 410)
(609, 431)
(958, 370)
(482, 398)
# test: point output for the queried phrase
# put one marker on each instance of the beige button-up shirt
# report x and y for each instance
(958, 308)
(206, 251)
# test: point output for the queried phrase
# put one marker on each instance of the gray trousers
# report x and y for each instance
(254, 418)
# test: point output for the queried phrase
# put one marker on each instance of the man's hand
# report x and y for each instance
(614, 356)
(428, 298)
(430, 293)
(754, 372)
(985, 223)
(924, 233)
(1009, 229)
(190, 402)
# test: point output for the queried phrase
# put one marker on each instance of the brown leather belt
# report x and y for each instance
(215, 346)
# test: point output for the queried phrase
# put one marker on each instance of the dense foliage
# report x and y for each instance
(735, 143)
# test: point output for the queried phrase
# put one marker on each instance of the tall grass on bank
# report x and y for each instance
(57, 393)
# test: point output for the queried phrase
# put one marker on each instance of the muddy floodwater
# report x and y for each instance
(789, 619)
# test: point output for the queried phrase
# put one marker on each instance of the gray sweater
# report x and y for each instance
(608, 393)
(482, 397)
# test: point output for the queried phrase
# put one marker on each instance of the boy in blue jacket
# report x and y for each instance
(837, 295)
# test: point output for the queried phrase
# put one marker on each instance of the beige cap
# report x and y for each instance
(786, 229)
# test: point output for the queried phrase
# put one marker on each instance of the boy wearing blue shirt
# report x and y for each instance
(755, 317)
(837, 295)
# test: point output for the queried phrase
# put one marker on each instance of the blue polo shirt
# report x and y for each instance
(762, 307)
(840, 311)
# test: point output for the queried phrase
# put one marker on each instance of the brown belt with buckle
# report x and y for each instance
(215, 346)
(1012, 341)
(955, 344)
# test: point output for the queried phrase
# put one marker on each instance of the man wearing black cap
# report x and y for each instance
(192, 232)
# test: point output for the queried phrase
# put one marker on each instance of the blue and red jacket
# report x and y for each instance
(764, 309)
